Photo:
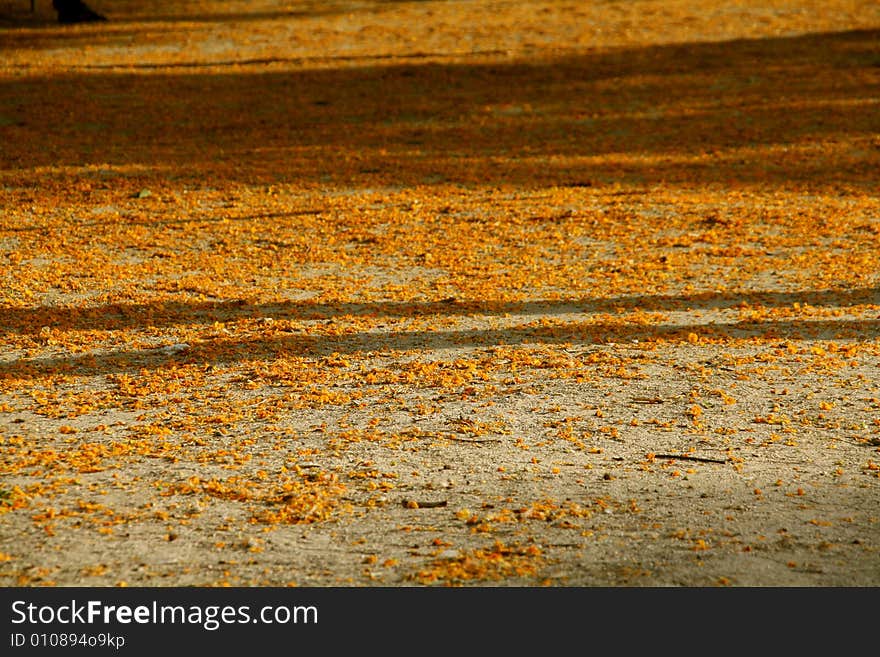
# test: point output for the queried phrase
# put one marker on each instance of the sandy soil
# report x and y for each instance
(441, 293)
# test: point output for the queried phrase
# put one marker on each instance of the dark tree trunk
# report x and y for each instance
(75, 11)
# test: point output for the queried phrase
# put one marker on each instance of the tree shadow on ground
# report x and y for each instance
(120, 317)
(791, 110)
(586, 331)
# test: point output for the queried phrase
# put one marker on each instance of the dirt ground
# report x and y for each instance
(463, 292)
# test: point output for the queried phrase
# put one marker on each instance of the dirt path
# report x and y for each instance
(441, 292)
